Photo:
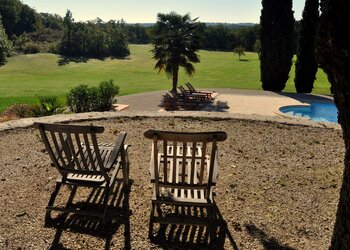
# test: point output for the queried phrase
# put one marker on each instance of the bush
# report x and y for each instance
(106, 93)
(53, 48)
(48, 105)
(85, 99)
(31, 48)
(18, 111)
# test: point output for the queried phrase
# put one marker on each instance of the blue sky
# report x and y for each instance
(143, 11)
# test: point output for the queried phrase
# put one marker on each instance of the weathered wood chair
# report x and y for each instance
(183, 174)
(202, 97)
(192, 90)
(81, 161)
(185, 101)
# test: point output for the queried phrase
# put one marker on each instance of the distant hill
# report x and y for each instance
(229, 25)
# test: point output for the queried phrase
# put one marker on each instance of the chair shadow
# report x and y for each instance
(118, 214)
(268, 242)
(190, 236)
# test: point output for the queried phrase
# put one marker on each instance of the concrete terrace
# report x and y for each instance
(243, 104)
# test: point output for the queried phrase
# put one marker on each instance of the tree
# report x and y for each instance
(306, 65)
(276, 37)
(175, 43)
(66, 42)
(10, 11)
(257, 47)
(5, 45)
(333, 52)
(28, 20)
(239, 51)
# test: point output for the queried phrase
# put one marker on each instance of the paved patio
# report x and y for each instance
(243, 104)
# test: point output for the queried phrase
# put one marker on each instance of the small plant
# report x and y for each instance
(85, 99)
(18, 111)
(48, 105)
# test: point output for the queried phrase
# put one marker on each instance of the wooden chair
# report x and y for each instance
(193, 90)
(183, 169)
(81, 161)
(202, 97)
(185, 101)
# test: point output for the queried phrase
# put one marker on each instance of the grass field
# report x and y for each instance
(26, 76)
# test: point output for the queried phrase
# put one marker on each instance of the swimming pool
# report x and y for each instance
(316, 111)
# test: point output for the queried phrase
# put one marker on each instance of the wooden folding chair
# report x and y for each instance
(81, 161)
(183, 169)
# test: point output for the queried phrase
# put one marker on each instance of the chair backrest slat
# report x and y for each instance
(66, 150)
(73, 148)
(90, 156)
(193, 162)
(165, 161)
(155, 157)
(80, 150)
(51, 152)
(186, 161)
(58, 150)
(184, 153)
(174, 162)
(211, 166)
(98, 157)
(202, 163)
(190, 87)
(73, 152)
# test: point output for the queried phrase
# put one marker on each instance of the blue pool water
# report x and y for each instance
(317, 111)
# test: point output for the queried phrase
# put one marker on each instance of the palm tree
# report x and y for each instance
(175, 43)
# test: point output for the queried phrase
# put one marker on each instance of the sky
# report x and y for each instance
(145, 11)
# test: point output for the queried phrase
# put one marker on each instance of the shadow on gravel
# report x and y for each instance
(118, 214)
(180, 236)
(269, 243)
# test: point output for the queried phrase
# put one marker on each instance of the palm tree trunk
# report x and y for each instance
(175, 77)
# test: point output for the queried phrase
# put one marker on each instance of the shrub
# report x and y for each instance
(31, 48)
(79, 99)
(85, 99)
(18, 111)
(48, 105)
(53, 48)
(106, 93)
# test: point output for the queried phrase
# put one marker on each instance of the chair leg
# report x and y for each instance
(51, 202)
(151, 221)
(105, 204)
(212, 224)
(125, 166)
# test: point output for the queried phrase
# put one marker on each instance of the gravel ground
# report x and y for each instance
(277, 188)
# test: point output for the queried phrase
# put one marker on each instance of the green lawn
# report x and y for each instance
(27, 76)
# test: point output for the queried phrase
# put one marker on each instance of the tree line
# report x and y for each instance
(27, 31)
(93, 39)
(32, 32)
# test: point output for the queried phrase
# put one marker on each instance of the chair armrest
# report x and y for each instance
(118, 147)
